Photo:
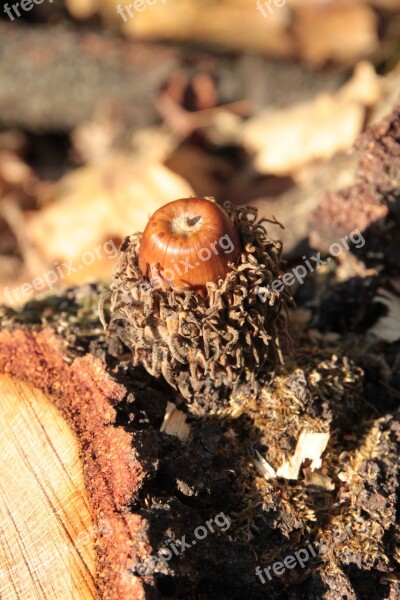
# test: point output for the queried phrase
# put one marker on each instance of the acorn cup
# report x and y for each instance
(190, 299)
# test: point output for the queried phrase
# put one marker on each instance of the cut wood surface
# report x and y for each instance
(46, 536)
(85, 395)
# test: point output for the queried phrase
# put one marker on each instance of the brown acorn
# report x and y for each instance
(192, 242)
(211, 330)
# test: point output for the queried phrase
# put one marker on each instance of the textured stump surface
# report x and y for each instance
(46, 545)
(82, 395)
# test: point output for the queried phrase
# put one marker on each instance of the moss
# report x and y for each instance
(271, 423)
(71, 312)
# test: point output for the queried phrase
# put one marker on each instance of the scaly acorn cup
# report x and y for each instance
(190, 299)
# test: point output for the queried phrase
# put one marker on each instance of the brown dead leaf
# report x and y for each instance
(343, 32)
(285, 140)
(206, 174)
(96, 203)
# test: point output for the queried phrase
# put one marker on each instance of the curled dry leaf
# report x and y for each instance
(284, 140)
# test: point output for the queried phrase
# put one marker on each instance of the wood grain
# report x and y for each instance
(46, 532)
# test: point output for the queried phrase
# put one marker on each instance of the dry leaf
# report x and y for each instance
(232, 23)
(284, 140)
(206, 174)
(312, 30)
(100, 202)
(342, 32)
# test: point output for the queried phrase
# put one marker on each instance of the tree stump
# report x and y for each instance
(46, 550)
(67, 475)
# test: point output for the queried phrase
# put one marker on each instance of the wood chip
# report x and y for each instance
(309, 446)
(175, 423)
(264, 467)
(388, 327)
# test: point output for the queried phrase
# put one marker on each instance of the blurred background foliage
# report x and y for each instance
(104, 118)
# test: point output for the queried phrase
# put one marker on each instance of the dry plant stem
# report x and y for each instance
(205, 347)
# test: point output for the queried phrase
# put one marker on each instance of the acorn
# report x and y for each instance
(192, 242)
(186, 299)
